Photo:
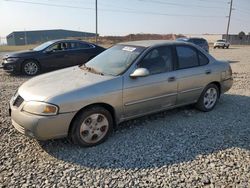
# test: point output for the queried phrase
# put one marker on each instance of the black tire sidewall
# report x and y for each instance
(28, 61)
(200, 104)
(75, 130)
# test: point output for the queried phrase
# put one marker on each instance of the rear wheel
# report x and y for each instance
(91, 127)
(208, 98)
(30, 67)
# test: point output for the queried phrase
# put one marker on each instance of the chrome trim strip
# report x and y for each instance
(149, 99)
(156, 111)
(190, 90)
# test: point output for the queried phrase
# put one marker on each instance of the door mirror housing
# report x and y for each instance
(139, 72)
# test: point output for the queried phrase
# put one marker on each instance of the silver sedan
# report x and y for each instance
(126, 81)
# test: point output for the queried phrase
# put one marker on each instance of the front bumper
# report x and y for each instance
(40, 127)
(11, 67)
(226, 85)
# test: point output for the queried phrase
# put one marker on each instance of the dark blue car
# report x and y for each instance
(53, 55)
(198, 41)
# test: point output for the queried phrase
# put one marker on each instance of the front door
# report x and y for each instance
(154, 92)
(56, 56)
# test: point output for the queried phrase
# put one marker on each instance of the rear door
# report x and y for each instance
(157, 91)
(193, 73)
(84, 52)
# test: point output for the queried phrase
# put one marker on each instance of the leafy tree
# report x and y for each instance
(241, 34)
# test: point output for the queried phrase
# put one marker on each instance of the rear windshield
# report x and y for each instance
(198, 41)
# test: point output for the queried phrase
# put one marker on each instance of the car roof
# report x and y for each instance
(149, 43)
(68, 40)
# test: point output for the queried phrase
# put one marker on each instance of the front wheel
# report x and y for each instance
(91, 127)
(30, 67)
(208, 98)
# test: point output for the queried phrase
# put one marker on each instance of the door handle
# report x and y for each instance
(208, 71)
(171, 79)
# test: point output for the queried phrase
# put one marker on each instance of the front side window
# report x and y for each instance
(187, 57)
(59, 47)
(158, 60)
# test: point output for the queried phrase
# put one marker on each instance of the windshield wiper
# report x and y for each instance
(90, 69)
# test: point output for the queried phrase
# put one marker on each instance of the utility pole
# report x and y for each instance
(96, 28)
(229, 18)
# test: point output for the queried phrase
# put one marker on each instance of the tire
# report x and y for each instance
(227, 47)
(208, 98)
(30, 67)
(85, 130)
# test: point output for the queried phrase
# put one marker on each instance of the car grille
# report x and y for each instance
(18, 101)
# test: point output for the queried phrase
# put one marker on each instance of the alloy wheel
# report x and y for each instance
(31, 68)
(210, 98)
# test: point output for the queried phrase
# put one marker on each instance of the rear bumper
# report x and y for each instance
(226, 85)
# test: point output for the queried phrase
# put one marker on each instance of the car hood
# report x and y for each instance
(21, 54)
(49, 85)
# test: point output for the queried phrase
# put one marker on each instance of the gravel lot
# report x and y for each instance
(177, 148)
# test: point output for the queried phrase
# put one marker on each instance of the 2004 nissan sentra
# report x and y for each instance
(124, 82)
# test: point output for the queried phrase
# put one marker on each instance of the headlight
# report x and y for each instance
(11, 59)
(40, 108)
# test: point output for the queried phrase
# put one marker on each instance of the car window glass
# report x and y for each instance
(197, 41)
(82, 45)
(58, 47)
(187, 57)
(158, 60)
(203, 59)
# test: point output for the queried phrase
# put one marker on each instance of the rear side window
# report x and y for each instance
(80, 45)
(83, 45)
(203, 59)
(187, 57)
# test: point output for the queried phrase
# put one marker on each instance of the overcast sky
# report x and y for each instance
(121, 17)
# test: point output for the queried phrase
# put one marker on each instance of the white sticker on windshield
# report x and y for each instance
(128, 48)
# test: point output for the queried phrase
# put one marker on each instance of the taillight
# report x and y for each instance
(227, 74)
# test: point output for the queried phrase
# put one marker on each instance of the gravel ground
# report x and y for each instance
(177, 148)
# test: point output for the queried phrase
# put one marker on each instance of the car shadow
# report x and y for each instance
(233, 61)
(165, 138)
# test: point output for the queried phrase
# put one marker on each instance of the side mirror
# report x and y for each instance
(140, 72)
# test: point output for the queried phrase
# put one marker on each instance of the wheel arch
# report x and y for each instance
(104, 105)
(28, 59)
(218, 85)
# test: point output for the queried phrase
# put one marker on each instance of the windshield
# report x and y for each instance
(114, 60)
(43, 46)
